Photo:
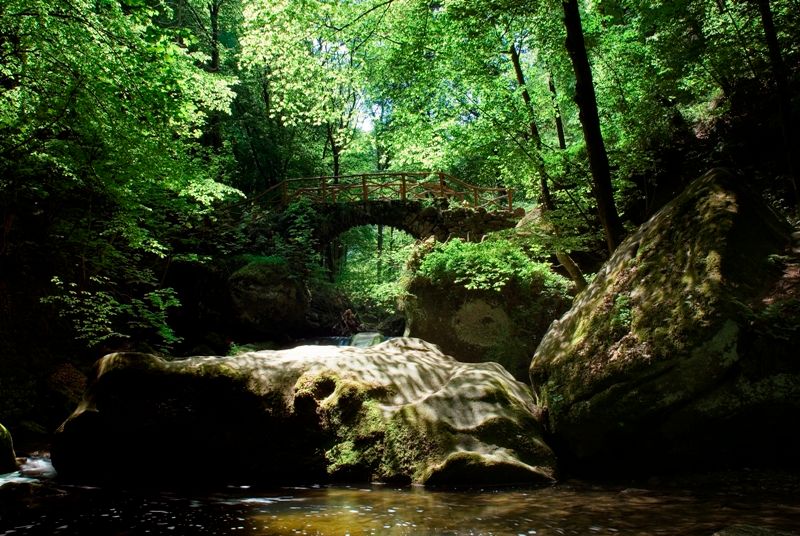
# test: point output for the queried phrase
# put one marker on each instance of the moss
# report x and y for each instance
(503, 325)
(359, 428)
(316, 386)
(471, 469)
(778, 320)
(373, 445)
(528, 446)
(346, 462)
(263, 269)
(622, 314)
(8, 461)
(410, 448)
(722, 346)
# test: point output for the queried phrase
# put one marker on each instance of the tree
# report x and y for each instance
(782, 90)
(313, 67)
(590, 119)
(100, 113)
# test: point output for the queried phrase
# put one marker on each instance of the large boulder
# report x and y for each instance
(398, 412)
(268, 301)
(683, 350)
(8, 460)
(482, 323)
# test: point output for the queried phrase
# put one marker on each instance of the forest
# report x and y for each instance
(137, 136)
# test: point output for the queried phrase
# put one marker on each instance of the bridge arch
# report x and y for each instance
(420, 220)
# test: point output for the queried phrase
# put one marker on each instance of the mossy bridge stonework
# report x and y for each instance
(423, 204)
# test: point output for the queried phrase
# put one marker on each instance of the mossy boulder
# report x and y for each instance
(500, 323)
(400, 412)
(683, 350)
(267, 300)
(8, 460)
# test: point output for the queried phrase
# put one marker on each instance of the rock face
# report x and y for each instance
(476, 325)
(269, 302)
(683, 350)
(398, 412)
(8, 462)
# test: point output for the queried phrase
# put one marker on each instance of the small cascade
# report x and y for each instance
(322, 341)
(30, 470)
(361, 340)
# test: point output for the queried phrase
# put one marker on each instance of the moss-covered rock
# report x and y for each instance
(8, 460)
(500, 323)
(267, 301)
(398, 412)
(684, 348)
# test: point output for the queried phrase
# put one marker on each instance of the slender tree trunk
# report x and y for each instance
(586, 100)
(782, 88)
(336, 152)
(548, 205)
(215, 117)
(213, 11)
(537, 139)
(379, 260)
(562, 140)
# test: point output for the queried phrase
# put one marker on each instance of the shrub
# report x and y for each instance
(488, 265)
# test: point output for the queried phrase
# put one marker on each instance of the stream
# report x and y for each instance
(33, 501)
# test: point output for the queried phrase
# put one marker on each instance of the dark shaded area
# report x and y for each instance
(748, 138)
(682, 353)
(202, 429)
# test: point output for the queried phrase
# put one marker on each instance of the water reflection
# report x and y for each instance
(572, 508)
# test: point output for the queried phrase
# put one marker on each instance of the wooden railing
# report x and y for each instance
(404, 186)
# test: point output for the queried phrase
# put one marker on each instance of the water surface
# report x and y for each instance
(696, 506)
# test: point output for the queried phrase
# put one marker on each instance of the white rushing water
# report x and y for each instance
(32, 469)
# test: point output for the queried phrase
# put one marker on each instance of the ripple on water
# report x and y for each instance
(568, 509)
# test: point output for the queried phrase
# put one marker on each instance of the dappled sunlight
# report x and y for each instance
(401, 410)
(412, 371)
(665, 328)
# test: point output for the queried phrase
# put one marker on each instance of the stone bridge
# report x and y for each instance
(423, 204)
(419, 219)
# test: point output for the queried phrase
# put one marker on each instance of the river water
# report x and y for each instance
(32, 502)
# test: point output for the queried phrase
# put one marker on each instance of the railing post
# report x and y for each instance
(403, 187)
(323, 184)
(441, 184)
(364, 187)
(477, 197)
(510, 199)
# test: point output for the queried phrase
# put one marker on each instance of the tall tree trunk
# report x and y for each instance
(586, 100)
(782, 88)
(548, 205)
(379, 260)
(562, 140)
(213, 12)
(534, 131)
(215, 117)
(336, 152)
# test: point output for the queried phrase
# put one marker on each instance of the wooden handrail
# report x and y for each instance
(405, 185)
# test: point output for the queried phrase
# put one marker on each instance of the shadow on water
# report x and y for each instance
(692, 507)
